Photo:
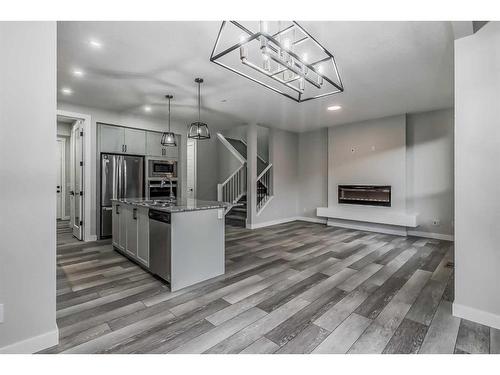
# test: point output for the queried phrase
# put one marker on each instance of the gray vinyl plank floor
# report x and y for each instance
(290, 288)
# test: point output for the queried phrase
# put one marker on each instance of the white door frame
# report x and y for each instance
(63, 178)
(195, 166)
(88, 162)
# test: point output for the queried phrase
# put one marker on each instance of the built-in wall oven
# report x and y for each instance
(156, 189)
(158, 168)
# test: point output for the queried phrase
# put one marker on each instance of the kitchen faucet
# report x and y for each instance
(164, 182)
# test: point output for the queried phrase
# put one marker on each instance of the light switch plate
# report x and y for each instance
(1, 313)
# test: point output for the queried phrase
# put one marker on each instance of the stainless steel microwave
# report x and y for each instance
(162, 168)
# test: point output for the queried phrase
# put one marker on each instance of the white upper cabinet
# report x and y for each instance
(117, 139)
(135, 141)
(112, 139)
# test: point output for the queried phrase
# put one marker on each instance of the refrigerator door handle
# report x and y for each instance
(124, 177)
(119, 177)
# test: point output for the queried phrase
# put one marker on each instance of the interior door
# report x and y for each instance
(191, 169)
(77, 179)
(60, 180)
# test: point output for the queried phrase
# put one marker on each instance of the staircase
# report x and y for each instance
(233, 190)
(237, 215)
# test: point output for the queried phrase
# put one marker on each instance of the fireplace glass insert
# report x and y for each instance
(368, 195)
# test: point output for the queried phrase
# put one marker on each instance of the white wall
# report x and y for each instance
(313, 172)
(283, 154)
(477, 176)
(27, 182)
(429, 167)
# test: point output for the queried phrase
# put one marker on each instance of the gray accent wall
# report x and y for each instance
(477, 176)
(27, 175)
(369, 153)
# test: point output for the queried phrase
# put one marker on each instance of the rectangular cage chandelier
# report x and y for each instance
(281, 56)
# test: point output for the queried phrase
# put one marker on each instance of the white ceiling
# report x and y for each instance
(387, 68)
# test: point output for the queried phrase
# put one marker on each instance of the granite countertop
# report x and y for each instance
(168, 205)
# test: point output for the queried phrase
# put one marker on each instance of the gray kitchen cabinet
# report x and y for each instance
(143, 236)
(124, 213)
(173, 152)
(119, 226)
(153, 145)
(116, 224)
(134, 141)
(116, 139)
(112, 139)
(132, 232)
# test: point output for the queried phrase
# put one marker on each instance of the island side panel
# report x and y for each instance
(198, 251)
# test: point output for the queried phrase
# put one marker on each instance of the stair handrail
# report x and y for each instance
(264, 171)
(231, 148)
(233, 174)
(236, 187)
(264, 178)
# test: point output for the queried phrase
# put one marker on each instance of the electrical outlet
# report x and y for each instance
(1, 313)
(436, 222)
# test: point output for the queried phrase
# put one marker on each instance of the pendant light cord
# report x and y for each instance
(199, 101)
(169, 115)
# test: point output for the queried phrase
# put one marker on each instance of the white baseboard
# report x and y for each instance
(311, 219)
(377, 228)
(478, 316)
(33, 344)
(272, 222)
(436, 236)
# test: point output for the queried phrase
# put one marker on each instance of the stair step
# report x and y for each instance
(239, 209)
(235, 217)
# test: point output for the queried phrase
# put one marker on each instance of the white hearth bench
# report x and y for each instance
(384, 220)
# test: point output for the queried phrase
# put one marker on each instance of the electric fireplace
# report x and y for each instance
(368, 195)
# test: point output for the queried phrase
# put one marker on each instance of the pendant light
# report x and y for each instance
(199, 130)
(168, 138)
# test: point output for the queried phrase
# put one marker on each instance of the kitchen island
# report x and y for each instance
(180, 241)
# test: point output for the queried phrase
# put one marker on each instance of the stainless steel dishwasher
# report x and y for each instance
(160, 236)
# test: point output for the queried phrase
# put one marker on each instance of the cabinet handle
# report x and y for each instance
(117, 209)
(125, 148)
(134, 214)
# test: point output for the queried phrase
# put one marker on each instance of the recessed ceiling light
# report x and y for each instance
(334, 108)
(147, 108)
(78, 73)
(66, 91)
(95, 43)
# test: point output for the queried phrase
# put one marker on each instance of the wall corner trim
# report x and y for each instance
(33, 344)
(475, 315)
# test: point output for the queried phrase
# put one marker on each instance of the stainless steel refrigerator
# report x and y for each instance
(122, 176)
